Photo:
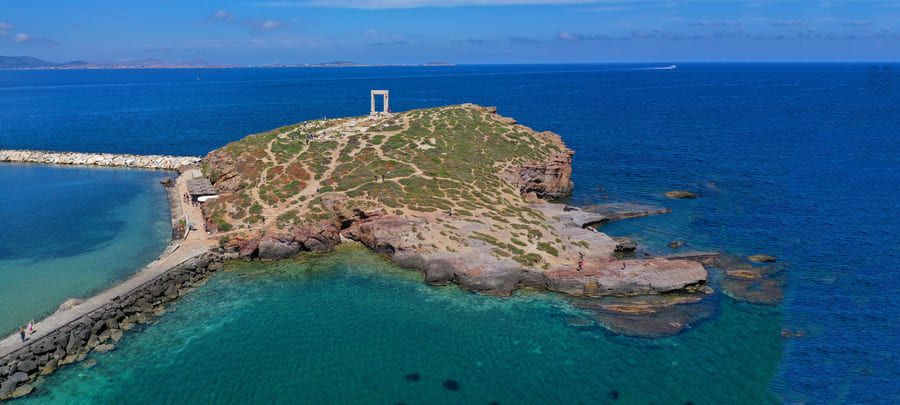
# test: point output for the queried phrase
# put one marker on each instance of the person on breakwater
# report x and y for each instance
(31, 327)
(22, 333)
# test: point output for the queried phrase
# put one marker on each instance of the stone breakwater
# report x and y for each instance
(157, 162)
(100, 329)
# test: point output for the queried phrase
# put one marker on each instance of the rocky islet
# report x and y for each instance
(459, 193)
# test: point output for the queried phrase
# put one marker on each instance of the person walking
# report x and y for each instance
(31, 326)
(22, 333)
(580, 265)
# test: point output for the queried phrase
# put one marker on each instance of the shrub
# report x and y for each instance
(546, 247)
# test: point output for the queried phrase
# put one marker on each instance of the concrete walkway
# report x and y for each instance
(196, 243)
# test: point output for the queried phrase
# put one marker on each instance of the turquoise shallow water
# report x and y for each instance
(70, 232)
(348, 327)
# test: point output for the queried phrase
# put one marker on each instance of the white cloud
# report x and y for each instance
(258, 24)
(263, 24)
(222, 15)
(566, 36)
(21, 37)
(5, 26)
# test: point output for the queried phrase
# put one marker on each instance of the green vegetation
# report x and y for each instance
(546, 247)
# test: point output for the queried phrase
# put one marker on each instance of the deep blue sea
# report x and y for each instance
(800, 161)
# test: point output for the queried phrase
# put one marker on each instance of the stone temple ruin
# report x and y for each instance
(379, 93)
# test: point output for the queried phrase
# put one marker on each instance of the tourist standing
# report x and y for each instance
(22, 333)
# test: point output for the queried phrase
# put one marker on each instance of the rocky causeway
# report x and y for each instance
(156, 162)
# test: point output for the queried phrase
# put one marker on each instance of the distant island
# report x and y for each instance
(28, 62)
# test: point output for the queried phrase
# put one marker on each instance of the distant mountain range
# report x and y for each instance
(28, 62)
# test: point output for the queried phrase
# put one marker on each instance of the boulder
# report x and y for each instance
(172, 291)
(49, 367)
(322, 237)
(23, 391)
(74, 343)
(27, 366)
(18, 377)
(105, 348)
(388, 234)
(680, 194)
(625, 245)
(276, 249)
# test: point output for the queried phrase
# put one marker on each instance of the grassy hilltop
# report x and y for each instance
(460, 158)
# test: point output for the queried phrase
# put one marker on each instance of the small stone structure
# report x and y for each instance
(200, 187)
(379, 93)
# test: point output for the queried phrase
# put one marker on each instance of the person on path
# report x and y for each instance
(22, 333)
(580, 265)
(623, 265)
(451, 212)
(31, 326)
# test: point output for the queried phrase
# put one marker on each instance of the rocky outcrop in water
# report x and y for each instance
(680, 194)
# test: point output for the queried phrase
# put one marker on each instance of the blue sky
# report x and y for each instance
(456, 31)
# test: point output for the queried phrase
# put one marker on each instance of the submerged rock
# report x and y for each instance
(762, 258)
(680, 194)
(648, 316)
(105, 348)
(451, 385)
(755, 284)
